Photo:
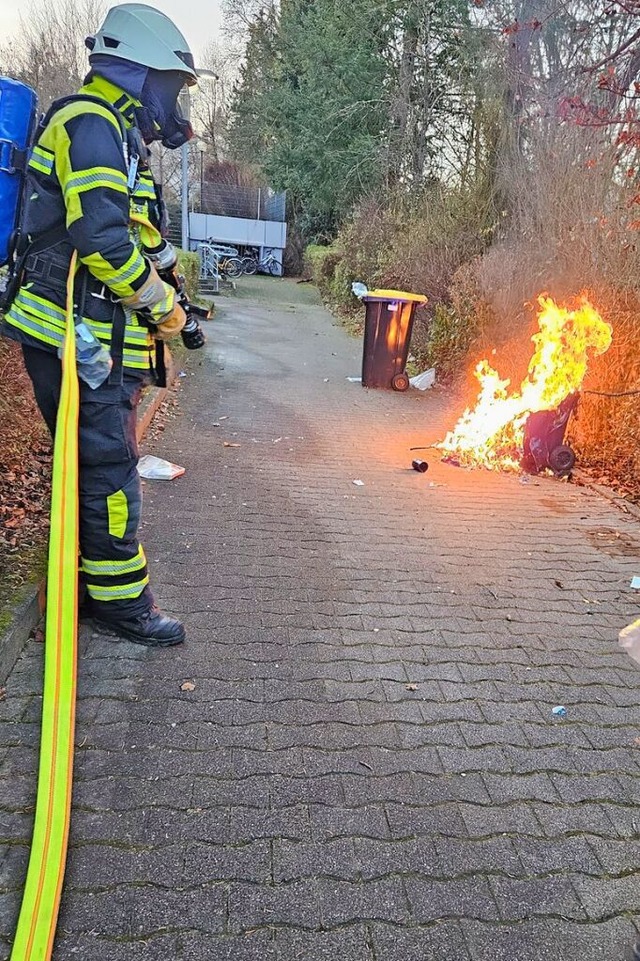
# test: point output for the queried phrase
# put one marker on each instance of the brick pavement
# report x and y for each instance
(368, 767)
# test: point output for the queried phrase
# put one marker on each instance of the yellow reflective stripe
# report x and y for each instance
(48, 311)
(118, 509)
(144, 191)
(41, 159)
(133, 334)
(32, 309)
(118, 592)
(119, 280)
(43, 152)
(81, 180)
(137, 361)
(37, 328)
(132, 269)
(47, 334)
(163, 307)
(44, 158)
(39, 305)
(115, 567)
(39, 910)
(38, 165)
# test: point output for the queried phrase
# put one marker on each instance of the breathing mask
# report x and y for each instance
(159, 117)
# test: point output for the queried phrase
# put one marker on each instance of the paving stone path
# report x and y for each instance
(367, 768)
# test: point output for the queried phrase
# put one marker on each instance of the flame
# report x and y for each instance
(491, 433)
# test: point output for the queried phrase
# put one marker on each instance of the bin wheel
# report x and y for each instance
(400, 382)
(561, 460)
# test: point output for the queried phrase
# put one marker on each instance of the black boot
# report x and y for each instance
(153, 628)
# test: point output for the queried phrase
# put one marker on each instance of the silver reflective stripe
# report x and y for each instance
(37, 305)
(117, 593)
(42, 158)
(142, 190)
(102, 330)
(139, 359)
(115, 567)
(33, 325)
(85, 180)
(130, 271)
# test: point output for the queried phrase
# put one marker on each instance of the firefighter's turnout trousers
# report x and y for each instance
(113, 565)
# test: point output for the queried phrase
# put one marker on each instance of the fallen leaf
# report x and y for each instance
(187, 686)
(227, 443)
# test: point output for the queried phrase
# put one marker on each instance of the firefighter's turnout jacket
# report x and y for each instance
(84, 193)
(80, 193)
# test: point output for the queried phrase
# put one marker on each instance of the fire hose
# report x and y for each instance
(38, 915)
(41, 899)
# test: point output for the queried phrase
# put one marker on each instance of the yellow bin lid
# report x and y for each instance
(396, 295)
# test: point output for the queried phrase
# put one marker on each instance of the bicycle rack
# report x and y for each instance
(209, 272)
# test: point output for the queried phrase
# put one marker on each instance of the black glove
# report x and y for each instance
(192, 334)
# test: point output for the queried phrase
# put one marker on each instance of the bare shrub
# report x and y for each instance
(573, 230)
(48, 50)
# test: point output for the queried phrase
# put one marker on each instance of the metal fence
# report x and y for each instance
(251, 203)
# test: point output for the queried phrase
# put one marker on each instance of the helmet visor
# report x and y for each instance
(187, 58)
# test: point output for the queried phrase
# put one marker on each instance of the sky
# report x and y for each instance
(198, 20)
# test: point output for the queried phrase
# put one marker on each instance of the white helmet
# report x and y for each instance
(142, 34)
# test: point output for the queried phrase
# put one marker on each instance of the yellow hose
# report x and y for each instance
(43, 887)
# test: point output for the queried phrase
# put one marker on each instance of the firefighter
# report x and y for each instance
(88, 189)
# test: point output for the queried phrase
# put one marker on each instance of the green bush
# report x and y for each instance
(189, 265)
(320, 263)
(427, 245)
(340, 285)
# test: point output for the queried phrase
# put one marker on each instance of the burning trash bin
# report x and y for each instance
(524, 429)
(387, 334)
(543, 445)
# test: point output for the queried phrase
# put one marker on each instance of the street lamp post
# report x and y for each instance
(202, 149)
(184, 163)
(184, 193)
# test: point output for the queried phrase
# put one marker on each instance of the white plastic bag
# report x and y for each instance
(629, 640)
(425, 380)
(155, 468)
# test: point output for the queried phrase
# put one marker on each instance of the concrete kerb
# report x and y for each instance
(584, 480)
(27, 614)
(24, 620)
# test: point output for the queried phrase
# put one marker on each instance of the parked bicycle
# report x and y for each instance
(229, 261)
(230, 266)
(268, 265)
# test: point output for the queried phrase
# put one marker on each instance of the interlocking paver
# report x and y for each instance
(547, 940)
(368, 767)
